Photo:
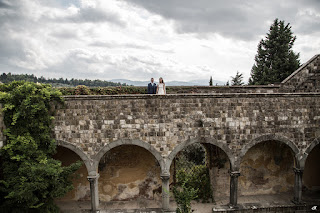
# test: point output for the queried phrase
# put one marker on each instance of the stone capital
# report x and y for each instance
(234, 173)
(297, 170)
(92, 178)
(165, 176)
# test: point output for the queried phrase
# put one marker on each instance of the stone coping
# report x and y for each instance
(190, 95)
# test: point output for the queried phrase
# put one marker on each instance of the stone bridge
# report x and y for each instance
(234, 122)
(288, 113)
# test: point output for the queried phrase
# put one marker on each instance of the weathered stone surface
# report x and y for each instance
(304, 79)
(128, 172)
(236, 120)
(92, 122)
(267, 169)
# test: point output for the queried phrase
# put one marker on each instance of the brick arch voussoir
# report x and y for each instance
(121, 142)
(264, 138)
(212, 141)
(87, 161)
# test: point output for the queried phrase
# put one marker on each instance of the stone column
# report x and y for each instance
(165, 191)
(234, 188)
(297, 185)
(93, 179)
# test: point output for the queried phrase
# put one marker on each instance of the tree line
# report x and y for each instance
(7, 78)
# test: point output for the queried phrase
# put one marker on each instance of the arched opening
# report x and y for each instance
(311, 176)
(129, 173)
(81, 187)
(206, 167)
(267, 171)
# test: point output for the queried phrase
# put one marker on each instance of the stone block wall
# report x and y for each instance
(164, 122)
(305, 79)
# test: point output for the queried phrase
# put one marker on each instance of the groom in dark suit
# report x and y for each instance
(152, 87)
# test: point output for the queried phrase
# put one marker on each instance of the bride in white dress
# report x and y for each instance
(161, 88)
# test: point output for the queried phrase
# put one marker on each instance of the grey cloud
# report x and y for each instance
(78, 64)
(113, 44)
(117, 45)
(231, 18)
(4, 4)
(65, 34)
(11, 49)
(94, 15)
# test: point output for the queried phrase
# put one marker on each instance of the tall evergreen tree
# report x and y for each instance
(210, 82)
(275, 59)
(237, 80)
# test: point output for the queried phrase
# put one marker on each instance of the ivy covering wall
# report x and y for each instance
(31, 179)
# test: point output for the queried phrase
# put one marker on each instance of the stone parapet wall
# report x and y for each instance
(227, 120)
(304, 79)
(223, 89)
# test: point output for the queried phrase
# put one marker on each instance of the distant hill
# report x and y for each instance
(169, 83)
(8, 77)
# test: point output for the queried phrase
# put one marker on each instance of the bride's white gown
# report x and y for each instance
(161, 90)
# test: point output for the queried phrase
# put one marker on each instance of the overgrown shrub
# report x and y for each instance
(184, 195)
(191, 170)
(197, 178)
(82, 90)
(31, 178)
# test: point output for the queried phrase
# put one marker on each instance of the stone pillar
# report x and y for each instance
(297, 185)
(165, 191)
(234, 188)
(93, 179)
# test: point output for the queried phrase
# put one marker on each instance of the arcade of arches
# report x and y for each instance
(261, 140)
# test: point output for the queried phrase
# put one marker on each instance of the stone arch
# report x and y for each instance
(183, 145)
(264, 138)
(304, 156)
(87, 161)
(120, 142)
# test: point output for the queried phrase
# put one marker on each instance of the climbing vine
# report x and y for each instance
(31, 178)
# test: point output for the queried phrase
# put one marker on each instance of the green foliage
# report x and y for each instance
(197, 177)
(31, 179)
(210, 82)
(275, 59)
(193, 155)
(237, 80)
(83, 90)
(7, 78)
(184, 195)
(192, 177)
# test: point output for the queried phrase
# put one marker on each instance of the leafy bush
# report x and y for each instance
(31, 178)
(191, 169)
(197, 178)
(82, 90)
(184, 195)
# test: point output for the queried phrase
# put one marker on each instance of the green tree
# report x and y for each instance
(237, 80)
(31, 178)
(210, 82)
(275, 59)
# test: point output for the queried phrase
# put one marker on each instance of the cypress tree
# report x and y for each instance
(275, 59)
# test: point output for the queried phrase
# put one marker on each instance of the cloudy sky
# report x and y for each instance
(137, 39)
